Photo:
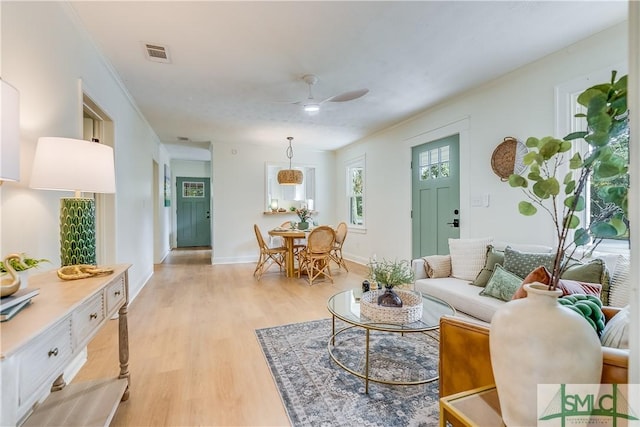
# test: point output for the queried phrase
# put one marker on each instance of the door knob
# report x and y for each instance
(455, 223)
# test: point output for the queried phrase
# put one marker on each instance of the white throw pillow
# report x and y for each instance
(616, 331)
(468, 257)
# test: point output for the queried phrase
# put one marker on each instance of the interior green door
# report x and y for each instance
(193, 218)
(435, 196)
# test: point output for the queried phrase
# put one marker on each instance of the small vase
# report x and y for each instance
(535, 340)
(303, 225)
(389, 298)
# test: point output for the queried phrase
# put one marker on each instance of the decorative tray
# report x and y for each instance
(411, 310)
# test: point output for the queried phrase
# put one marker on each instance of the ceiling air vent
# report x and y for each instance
(157, 53)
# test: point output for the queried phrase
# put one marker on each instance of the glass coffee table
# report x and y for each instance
(345, 306)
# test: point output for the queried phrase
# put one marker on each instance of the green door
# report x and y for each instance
(435, 196)
(193, 218)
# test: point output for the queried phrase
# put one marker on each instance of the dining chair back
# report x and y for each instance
(336, 251)
(268, 255)
(316, 257)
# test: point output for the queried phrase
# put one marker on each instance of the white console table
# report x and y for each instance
(42, 339)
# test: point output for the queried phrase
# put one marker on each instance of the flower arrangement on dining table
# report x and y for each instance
(304, 214)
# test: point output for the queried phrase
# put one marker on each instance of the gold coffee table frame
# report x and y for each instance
(346, 307)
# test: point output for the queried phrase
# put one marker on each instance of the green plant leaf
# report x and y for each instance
(581, 237)
(565, 146)
(516, 180)
(576, 135)
(611, 168)
(578, 200)
(603, 230)
(621, 84)
(526, 208)
(534, 175)
(570, 187)
(598, 138)
(575, 162)
(585, 97)
(572, 222)
(568, 178)
(532, 142)
(549, 148)
(546, 188)
(618, 223)
(530, 157)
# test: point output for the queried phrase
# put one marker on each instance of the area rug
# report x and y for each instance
(317, 392)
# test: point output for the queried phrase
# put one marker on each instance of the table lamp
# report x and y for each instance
(66, 164)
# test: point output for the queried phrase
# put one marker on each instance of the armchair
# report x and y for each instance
(465, 363)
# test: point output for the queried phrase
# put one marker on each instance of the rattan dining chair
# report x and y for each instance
(336, 251)
(314, 260)
(274, 255)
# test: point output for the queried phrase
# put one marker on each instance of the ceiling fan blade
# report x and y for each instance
(348, 96)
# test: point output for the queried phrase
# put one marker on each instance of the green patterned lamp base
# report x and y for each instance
(77, 231)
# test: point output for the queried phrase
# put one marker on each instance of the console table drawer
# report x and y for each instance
(115, 294)
(42, 361)
(87, 318)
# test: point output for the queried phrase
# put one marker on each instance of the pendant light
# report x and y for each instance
(289, 176)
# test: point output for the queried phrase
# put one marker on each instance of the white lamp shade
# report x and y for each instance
(74, 165)
(9, 132)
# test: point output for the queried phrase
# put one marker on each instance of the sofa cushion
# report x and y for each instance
(619, 286)
(593, 271)
(493, 257)
(502, 284)
(461, 295)
(616, 331)
(522, 263)
(437, 266)
(568, 287)
(467, 257)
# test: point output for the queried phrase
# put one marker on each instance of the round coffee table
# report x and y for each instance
(346, 307)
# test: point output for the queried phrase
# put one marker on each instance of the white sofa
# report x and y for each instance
(466, 298)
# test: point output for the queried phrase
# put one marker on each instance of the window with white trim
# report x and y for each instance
(595, 205)
(355, 186)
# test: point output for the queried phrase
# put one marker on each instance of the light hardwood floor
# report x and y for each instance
(194, 357)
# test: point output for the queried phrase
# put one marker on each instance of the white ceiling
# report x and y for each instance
(236, 66)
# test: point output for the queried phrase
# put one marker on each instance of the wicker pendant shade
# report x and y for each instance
(289, 176)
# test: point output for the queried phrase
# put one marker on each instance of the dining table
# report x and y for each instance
(289, 236)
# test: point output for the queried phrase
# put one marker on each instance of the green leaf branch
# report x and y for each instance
(607, 125)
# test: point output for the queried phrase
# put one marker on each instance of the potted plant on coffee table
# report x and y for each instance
(390, 274)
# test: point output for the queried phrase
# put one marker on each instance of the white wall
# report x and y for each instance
(238, 193)
(46, 55)
(520, 104)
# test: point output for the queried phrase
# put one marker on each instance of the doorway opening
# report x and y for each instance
(97, 126)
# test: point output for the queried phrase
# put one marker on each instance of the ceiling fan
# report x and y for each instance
(312, 105)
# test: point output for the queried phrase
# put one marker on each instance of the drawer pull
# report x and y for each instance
(93, 316)
(116, 293)
(53, 352)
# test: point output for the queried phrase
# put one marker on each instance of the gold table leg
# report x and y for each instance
(366, 364)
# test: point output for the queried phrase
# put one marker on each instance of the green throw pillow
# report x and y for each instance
(523, 263)
(594, 271)
(493, 257)
(502, 284)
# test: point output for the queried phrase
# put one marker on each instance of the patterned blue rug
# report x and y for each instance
(317, 392)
